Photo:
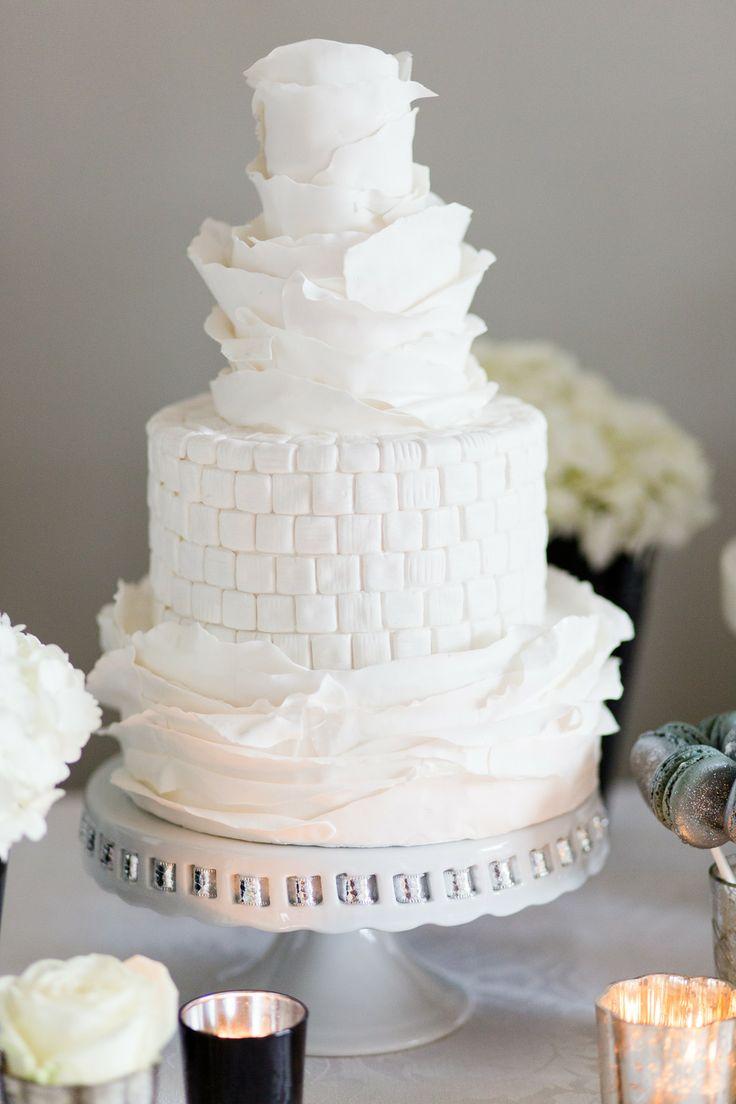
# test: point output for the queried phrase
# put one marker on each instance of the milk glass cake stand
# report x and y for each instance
(336, 910)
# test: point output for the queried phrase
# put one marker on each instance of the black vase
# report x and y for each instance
(625, 582)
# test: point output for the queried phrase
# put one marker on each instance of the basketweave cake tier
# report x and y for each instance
(348, 551)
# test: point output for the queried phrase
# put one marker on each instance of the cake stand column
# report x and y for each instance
(365, 995)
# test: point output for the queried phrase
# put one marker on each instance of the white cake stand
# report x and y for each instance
(365, 995)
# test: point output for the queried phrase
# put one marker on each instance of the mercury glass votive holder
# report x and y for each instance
(667, 1039)
(723, 899)
(137, 1088)
(243, 1047)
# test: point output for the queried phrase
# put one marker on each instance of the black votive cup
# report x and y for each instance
(243, 1047)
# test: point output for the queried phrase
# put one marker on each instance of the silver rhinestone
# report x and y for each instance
(357, 889)
(163, 875)
(106, 852)
(583, 837)
(204, 882)
(504, 874)
(305, 891)
(599, 826)
(411, 889)
(565, 852)
(87, 834)
(252, 890)
(541, 861)
(460, 884)
(129, 866)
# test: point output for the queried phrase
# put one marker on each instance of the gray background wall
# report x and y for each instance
(595, 141)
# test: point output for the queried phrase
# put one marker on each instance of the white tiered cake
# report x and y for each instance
(350, 636)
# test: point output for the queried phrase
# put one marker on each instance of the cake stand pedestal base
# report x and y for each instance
(335, 910)
(364, 993)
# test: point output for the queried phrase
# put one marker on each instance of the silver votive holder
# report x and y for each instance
(667, 1039)
(137, 1088)
(723, 900)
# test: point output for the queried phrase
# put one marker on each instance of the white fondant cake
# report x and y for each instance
(349, 635)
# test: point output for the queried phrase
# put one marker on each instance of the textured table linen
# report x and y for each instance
(534, 976)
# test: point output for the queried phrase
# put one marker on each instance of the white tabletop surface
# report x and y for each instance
(534, 976)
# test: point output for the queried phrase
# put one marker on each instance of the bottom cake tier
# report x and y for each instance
(239, 741)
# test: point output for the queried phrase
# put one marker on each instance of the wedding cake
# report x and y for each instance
(349, 634)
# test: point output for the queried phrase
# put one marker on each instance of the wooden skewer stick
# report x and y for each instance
(724, 866)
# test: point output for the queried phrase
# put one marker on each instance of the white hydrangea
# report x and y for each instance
(46, 718)
(622, 477)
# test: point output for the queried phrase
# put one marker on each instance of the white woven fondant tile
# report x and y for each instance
(487, 632)
(359, 456)
(275, 613)
(176, 513)
(492, 474)
(296, 575)
(408, 643)
(419, 490)
(274, 533)
(234, 454)
(292, 494)
(481, 599)
(495, 554)
(427, 568)
(518, 472)
(359, 612)
(255, 573)
(446, 605)
(459, 483)
(376, 492)
(332, 494)
(243, 636)
(191, 561)
(359, 533)
(316, 613)
(476, 444)
(441, 527)
(316, 456)
(295, 646)
(315, 534)
(163, 584)
(451, 638)
(441, 449)
(480, 520)
(273, 456)
(202, 448)
(206, 603)
(510, 593)
(237, 530)
(402, 530)
(219, 567)
(218, 488)
(338, 574)
(508, 511)
(400, 454)
(371, 648)
(203, 526)
(169, 470)
(332, 652)
(463, 561)
(403, 609)
(238, 610)
(253, 492)
(383, 571)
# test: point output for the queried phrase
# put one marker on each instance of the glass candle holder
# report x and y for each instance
(666, 1039)
(723, 899)
(243, 1045)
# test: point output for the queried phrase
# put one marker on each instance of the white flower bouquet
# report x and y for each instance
(623, 478)
(46, 718)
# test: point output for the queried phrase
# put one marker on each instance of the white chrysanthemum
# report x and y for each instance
(622, 476)
(46, 717)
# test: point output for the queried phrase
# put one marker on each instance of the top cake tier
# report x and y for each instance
(344, 305)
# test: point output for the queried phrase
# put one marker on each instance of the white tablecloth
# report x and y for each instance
(535, 976)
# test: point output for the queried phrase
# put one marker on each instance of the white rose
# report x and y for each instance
(85, 1021)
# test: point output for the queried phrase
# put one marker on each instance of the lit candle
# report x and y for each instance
(666, 1039)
